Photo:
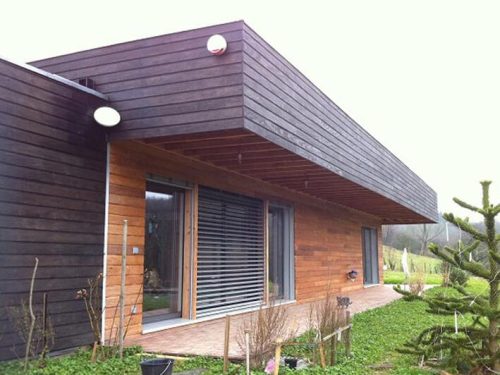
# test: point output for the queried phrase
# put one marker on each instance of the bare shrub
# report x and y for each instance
(91, 297)
(92, 300)
(416, 283)
(266, 326)
(325, 317)
(20, 318)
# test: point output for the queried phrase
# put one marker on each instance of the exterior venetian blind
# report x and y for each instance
(230, 252)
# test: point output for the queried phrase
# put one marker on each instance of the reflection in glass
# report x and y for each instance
(276, 253)
(163, 252)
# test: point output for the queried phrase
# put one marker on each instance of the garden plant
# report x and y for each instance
(471, 343)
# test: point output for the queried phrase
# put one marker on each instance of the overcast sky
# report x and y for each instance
(423, 77)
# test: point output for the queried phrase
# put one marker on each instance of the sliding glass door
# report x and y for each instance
(163, 251)
(281, 265)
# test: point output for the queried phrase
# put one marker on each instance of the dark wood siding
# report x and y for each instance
(282, 105)
(52, 187)
(165, 85)
(170, 85)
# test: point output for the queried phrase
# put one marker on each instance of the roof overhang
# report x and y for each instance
(252, 112)
(247, 153)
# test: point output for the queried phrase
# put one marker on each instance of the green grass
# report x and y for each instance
(396, 277)
(377, 334)
(416, 263)
(79, 363)
(156, 301)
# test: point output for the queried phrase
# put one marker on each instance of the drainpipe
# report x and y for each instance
(105, 249)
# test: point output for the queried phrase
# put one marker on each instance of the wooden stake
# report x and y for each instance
(32, 317)
(322, 354)
(122, 288)
(226, 344)
(277, 356)
(45, 343)
(333, 351)
(247, 347)
(348, 336)
(94, 352)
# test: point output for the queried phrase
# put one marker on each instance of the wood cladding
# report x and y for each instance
(169, 85)
(326, 248)
(246, 153)
(165, 85)
(52, 182)
(320, 227)
(284, 107)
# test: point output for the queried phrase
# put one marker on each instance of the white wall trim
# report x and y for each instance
(105, 248)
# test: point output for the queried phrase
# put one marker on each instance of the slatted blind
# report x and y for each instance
(230, 252)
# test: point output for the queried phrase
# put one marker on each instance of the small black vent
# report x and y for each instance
(87, 82)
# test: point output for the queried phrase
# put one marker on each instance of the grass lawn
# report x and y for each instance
(396, 277)
(376, 335)
(155, 301)
(425, 264)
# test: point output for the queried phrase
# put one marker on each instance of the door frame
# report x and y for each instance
(289, 250)
(187, 264)
(374, 261)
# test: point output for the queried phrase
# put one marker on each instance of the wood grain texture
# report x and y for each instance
(327, 235)
(52, 174)
(326, 248)
(165, 85)
(283, 106)
(171, 86)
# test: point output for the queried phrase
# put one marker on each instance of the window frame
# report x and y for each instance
(288, 249)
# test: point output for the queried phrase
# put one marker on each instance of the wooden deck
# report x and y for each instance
(207, 337)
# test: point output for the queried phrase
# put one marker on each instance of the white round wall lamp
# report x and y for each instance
(217, 45)
(107, 116)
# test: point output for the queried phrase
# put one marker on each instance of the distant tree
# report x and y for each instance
(388, 232)
(427, 233)
(475, 344)
(405, 239)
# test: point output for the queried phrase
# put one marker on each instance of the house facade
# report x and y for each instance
(238, 182)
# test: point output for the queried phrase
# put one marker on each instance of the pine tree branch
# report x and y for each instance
(465, 226)
(434, 249)
(480, 300)
(407, 296)
(486, 193)
(470, 248)
(466, 205)
(475, 268)
(451, 250)
(495, 256)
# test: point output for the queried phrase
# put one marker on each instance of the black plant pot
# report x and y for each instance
(162, 366)
(291, 363)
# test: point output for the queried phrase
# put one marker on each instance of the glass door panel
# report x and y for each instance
(277, 258)
(163, 245)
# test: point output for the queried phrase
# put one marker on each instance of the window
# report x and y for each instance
(281, 277)
(163, 247)
(370, 256)
(230, 252)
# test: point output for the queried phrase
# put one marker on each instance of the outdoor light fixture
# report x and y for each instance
(216, 45)
(352, 275)
(107, 116)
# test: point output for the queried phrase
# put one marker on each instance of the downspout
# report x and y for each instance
(105, 250)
